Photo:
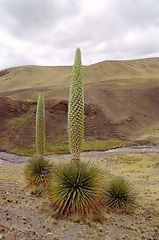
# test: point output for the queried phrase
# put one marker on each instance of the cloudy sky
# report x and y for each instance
(47, 32)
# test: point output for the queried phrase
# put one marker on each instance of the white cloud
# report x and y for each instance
(48, 32)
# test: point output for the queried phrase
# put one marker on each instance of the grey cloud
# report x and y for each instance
(25, 17)
(139, 12)
(115, 21)
(13, 58)
(47, 32)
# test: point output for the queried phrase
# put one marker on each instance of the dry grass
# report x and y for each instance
(141, 169)
(12, 173)
(130, 73)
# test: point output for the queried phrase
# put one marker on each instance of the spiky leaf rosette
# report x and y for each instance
(76, 108)
(38, 171)
(76, 189)
(120, 194)
(40, 125)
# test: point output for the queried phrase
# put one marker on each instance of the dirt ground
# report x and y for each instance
(27, 217)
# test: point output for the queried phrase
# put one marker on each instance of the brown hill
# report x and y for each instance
(122, 99)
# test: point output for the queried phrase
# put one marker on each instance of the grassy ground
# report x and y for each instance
(150, 134)
(24, 216)
(62, 147)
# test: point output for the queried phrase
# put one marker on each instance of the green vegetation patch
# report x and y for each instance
(54, 147)
(18, 122)
(101, 145)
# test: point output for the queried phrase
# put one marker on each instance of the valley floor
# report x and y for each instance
(26, 217)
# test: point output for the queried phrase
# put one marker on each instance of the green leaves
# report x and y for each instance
(120, 194)
(38, 171)
(76, 108)
(40, 125)
(76, 189)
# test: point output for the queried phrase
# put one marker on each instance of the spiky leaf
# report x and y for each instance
(120, 194)
(38, 171)
(76, 189)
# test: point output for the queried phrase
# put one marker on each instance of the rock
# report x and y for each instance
(100, 229)
(1, 237)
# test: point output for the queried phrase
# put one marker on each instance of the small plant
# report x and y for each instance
(76, 189)
(120, 194)
(38, 171)
(76, 109)
(40, 126)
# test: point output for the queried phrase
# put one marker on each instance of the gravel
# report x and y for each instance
(12, 158)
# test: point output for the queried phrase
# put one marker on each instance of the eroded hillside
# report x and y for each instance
(122, 99)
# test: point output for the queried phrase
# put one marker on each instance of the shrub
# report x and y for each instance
(38, 171)
(120, 194)
(76, 189)
(76, 109)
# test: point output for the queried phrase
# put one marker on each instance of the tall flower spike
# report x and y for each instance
(76, 109)
(40, 125)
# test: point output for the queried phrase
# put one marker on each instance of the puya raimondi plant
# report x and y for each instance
(76, 109)
(76, 190)
(38, 170)
(120, 194)
(40, 126)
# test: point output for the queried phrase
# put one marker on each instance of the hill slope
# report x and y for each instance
(122, 99)
(128, 72)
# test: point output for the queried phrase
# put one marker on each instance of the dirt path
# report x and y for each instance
(12, 158)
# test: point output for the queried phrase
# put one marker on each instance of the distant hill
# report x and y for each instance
(122, 99)
(130, 72)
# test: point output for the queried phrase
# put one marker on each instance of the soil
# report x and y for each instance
(26, 216)
(110, 113)
(17, 118)
(121, 97)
